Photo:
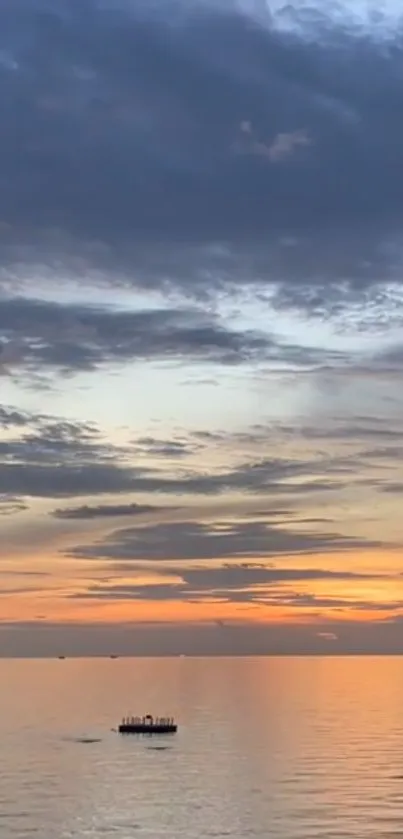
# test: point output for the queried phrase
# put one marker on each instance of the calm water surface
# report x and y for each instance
(285, 748)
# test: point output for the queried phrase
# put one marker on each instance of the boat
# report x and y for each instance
(148, 725)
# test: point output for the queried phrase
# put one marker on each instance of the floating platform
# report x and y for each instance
(148, 725)
(139, 728)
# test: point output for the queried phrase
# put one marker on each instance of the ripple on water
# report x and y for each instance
(269, 748)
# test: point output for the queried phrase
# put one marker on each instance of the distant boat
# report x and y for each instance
(148, 725)
(62, 657)
(113, 656)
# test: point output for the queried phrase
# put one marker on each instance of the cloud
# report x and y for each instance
(392, 487)
(48, 425)
(341, 431)
(166, 448)
(128, 171)
(205, 192)
(10, 504)
(42, 469)
(73, 338)
(195, 540)
(53, 481)
(105, 511)
(280, 148)
(50, 442)
(285, 145)
(49, 457)
(245, 583)
(16, 590)
(44, 456)
(11, 417)
(117, 67)
(10, 355)
(262, 596)
(327, 636)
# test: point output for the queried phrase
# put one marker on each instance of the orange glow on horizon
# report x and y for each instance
(60, 595)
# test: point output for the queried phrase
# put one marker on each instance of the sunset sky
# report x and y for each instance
(201, 312)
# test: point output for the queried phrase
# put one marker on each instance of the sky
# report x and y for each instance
(201, 311)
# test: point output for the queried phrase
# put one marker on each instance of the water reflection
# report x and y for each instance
(287, 748)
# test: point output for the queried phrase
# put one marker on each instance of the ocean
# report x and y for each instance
(289, 748)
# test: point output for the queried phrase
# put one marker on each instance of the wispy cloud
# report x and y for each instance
(281, 147)
(105, 511)
(191, 540)
(10, 504)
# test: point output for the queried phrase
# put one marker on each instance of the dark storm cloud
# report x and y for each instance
(162, 123)
(192, 540)
(73, 338)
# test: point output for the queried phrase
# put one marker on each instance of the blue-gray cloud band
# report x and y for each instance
(137, 122)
